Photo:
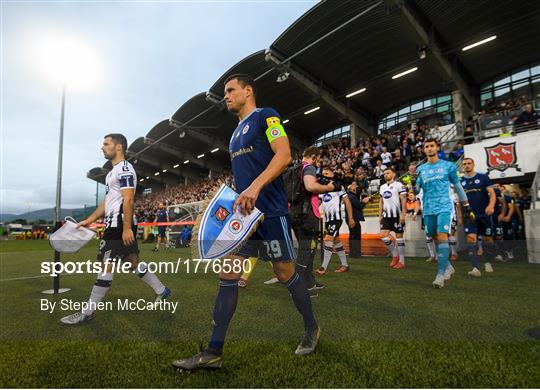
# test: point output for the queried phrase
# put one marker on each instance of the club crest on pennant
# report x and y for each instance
(221, 214)
(501, 156)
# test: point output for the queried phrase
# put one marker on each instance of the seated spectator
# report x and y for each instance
(409, 176)
(468, 135)
(378, 171)
(398, 161)
(457, 153)
(527, 118)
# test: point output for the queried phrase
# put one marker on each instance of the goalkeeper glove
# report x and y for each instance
(468, 215)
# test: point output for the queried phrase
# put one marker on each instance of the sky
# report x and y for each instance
(142, 61)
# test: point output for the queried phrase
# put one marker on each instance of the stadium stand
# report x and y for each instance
(342, 79)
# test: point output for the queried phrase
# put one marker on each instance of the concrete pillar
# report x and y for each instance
(186, 181)
(356, 134)
(461, 109)
(210, 174)
(532, 232)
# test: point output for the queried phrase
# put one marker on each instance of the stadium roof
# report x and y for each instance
(339, 47)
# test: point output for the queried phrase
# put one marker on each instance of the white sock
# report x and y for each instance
(390, 245)
(149, 278)
(431, 247)
(101, 286)
(341, 254)
(327, 254)
(401, 249)
(453, 244)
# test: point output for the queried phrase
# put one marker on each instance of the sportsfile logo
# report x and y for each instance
(116, 266)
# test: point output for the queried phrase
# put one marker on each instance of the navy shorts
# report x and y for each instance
(481, 226)
(272, 241)
(496, 225)
(161, 231)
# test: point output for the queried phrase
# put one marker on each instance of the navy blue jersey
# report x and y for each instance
(251, 154)
(476, 189)
(161, 215)
(499, 196)
(509, 201)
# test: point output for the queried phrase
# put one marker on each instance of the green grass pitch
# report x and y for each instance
(380, 328)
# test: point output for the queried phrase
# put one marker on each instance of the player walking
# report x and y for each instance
(260, 152)
(482, 199)
(392, 212)
(331, 204)
(434, 178)
(119, 242)
(161, 216)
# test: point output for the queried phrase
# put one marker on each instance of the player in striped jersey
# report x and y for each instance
(331, 204)
(119, 241)
(392, 212)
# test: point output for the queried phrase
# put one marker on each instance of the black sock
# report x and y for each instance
(300, 296)
(224, 308)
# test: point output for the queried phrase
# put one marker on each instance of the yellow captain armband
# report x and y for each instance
(275, 130)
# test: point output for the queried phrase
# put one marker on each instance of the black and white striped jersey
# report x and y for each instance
(121, 177)
(391, 196)
(331, 204)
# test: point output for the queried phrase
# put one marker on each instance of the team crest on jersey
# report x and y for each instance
(387, 194)
(221, 214)
(274, 133)
(274, 120)
(245, 129)
(327, 198)
(235, 226)
(501, 156)
(477, 181)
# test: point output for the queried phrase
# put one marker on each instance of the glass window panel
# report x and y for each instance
(404, 110)
(443, 108)
(502, 81)
(535, 70)
(502, 91)
(517, 86)
(392, 115)
(443, 99)
(486, 96)
(427, 103)
(416, 107)
(520, 75)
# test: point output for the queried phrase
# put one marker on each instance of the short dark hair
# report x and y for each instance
(243, 79)
(390, 169)
(432, 140)
(118, 138)
(467, 158)
(311, 151)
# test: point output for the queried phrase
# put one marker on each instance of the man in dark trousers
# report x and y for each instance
(358, 216)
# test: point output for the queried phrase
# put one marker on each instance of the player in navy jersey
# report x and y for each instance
(482, 199)
(260, 152)
(509, 219)
(161, 216)
(497, 223)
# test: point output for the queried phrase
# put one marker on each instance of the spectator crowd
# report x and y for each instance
(147, 205)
